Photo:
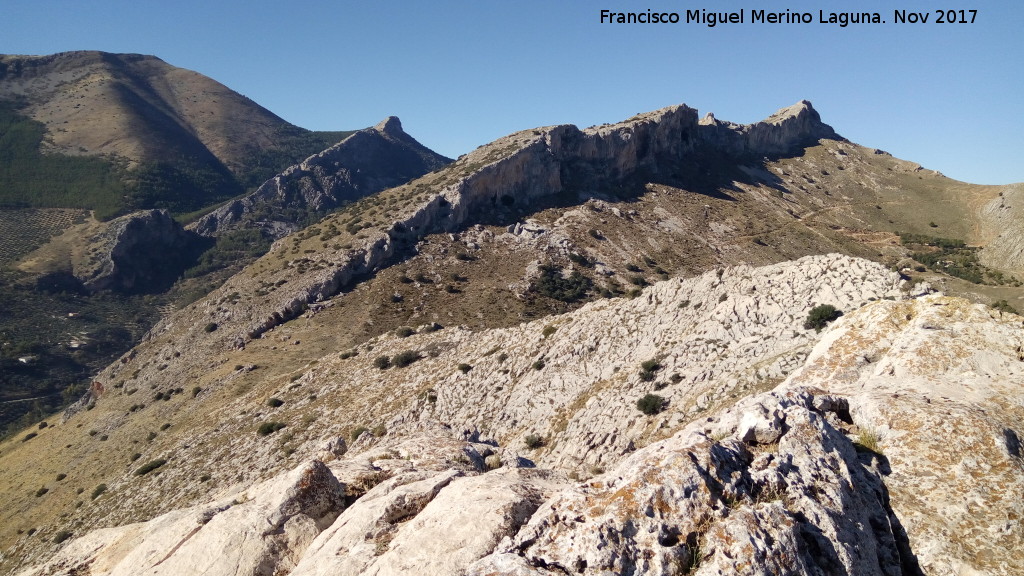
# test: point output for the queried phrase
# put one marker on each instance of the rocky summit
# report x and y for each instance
(666, 346)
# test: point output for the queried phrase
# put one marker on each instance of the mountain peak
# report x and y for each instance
(390, 125)
(801, 108)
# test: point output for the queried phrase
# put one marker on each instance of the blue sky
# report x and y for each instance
(460, 73)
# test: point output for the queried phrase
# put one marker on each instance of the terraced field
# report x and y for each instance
(23, 230)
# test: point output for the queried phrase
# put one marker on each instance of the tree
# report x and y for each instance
(820, 316)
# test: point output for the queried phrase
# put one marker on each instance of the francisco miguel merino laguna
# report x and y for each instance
(843, 19)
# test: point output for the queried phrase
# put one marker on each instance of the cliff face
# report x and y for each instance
(366, 162)
(781, 133)
(138, 253)
(518, 170)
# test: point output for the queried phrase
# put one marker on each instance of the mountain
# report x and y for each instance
(102, 157)
(571, 351)
(157, 136)
(366, 162)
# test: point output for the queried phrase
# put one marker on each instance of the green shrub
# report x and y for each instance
(275, 402)
(538, 365)
(29, 436)
(548, 331)
(533, 441)
(150, 466)
(41, 491)
(382, 362)
(99, 490)
(820, 316)
(270, 427)
(648, 368)
(61, 477)
(868, 441)
(1004, 306)
(464, 368)
(552, 284)
(650, 404)
(210, 327)
(404, 332)
(403, 359)
(61, 536)
(165, 426)
(651, 365)
(136, 456)
(358, 432)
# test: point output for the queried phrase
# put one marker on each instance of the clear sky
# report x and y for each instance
(460, 73)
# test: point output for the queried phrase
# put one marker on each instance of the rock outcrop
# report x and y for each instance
(701, 502)
(137, 253)
(935, 386)
(364, 163)
(784, 132)
(800, 501)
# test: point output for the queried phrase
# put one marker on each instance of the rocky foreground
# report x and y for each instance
(891, 447)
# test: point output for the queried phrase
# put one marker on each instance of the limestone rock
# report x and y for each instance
(934, 387)
(263, 530)
(141, 252)
(366, 162)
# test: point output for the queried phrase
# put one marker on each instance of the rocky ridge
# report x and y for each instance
(578, 405)
(519, 169)
(366, 162)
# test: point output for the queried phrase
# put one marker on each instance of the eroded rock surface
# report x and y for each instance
(140, 252)
(712, 503)
(366, 162)
(894, 449)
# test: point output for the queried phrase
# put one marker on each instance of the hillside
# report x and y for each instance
(101, 156)
(148, 134)
(512, 308)
(506, 468)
